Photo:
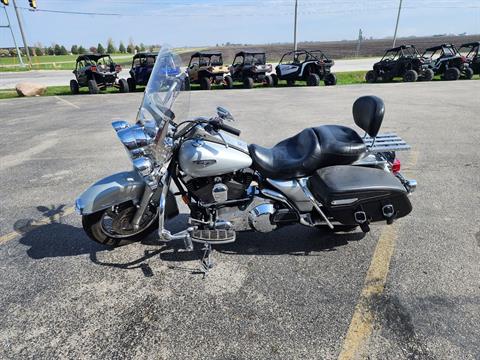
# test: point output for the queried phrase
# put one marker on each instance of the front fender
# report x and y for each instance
(112, 190)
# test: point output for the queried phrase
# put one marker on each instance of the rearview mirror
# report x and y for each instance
(224, 114)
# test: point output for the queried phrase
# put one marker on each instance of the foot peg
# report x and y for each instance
(217, 236)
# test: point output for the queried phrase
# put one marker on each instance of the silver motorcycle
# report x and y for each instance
(325, 177)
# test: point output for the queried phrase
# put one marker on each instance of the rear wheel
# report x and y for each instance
(228, 82)
(132, 86)
(371, 76)
(313, 80)
(290, 82)
(428, 75)
(123, 85)
(268, 81)
(452, 74)
(248, 83)
(113, 228)
(205, 83)
(330, 79)
(93, 87)
(410, 76)
(74, 88)
(468, 73)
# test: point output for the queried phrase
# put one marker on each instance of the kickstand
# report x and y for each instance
(206, 263)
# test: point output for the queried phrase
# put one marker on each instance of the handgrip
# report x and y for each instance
(222, 126)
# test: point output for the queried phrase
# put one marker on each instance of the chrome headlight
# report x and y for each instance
(134, 137)
(143, 165)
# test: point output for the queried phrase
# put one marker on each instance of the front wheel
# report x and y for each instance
(330, 79)
(410, 76)
(452, 74)
(123, 85)
(113, 227)
(93, 87)
(228, 82)
(74, 87)
(313, 80)
(275, 79)
(428, 75)
(268, 81)
(205, 84)
(132, 86)
(371, 77)
(468, 73)
(248, 83)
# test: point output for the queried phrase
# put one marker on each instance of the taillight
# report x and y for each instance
(93, 68)
(396, 166)
(118, 68)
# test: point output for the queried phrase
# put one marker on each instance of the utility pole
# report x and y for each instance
(295, 27)
(360, 38)
(396, 26)
(13, 37)
(20, 25)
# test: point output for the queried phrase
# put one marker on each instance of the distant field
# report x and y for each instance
(341, 49)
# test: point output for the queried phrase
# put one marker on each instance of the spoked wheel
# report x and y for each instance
(113, 227)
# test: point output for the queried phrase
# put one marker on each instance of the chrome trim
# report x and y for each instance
(146, 197)
(143, 165)
(343, 201)
(314, 201)
(120, 125)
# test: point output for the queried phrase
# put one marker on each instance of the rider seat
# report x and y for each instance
(318, 147)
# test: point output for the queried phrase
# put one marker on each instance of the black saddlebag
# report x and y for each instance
(359, 195)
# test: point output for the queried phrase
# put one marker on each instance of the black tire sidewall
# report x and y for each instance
(74, 87)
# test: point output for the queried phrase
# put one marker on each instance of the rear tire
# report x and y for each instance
(468, 73)
(290, 82)
(452, 74)
(268, 81)
(74, 87)
(371, 77)
(93, 87)
(205, 83)
(228, 82)
(313, 80)
(92, 224)
(123, 85)
(428, 75)
(132, 86)
(330, 79)
(248, 83)
(410, 76)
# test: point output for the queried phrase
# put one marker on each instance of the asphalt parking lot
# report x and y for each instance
(293, 294)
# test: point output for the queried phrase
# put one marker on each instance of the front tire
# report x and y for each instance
(275, 79)
(205, 83)
(468, 73)
(428, 75)
(93, 225)
(371, 77)
(132, 86)
(410, 76)
(93, 87)
(313, 80)
(330, 79)
(290, 83)
(452, 74)
(74, 87)
(248, 83)
(268, 81)
(228, 82)
(123, 85)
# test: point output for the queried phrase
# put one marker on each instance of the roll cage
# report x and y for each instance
(470, 50)
(407, 51)
(206, 59)
(250, 58)
(439, 51)
(301, 56)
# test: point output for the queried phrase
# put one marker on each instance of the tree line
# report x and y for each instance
(56, 49)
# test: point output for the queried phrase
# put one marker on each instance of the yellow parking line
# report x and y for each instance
(36, 223)
(361, 325)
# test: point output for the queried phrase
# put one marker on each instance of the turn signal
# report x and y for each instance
(396, 166)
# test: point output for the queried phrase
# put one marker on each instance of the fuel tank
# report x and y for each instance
(200, 158)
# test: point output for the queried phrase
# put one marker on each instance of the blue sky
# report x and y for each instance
(208, 22)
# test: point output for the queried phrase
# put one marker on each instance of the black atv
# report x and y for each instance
(250, 67)
(402, 61)
(471, 52)
(97, 72)
(309, 66)
(142, 66)
(447, 61)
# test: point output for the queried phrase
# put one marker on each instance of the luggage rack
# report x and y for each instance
(385, 142)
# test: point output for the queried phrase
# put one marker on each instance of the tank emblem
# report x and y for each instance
(204, 163)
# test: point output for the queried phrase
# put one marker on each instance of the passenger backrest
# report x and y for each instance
(368, 114)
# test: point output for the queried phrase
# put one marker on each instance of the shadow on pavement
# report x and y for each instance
(50, 238)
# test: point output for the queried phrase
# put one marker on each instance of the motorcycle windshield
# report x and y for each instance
(165, 100)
